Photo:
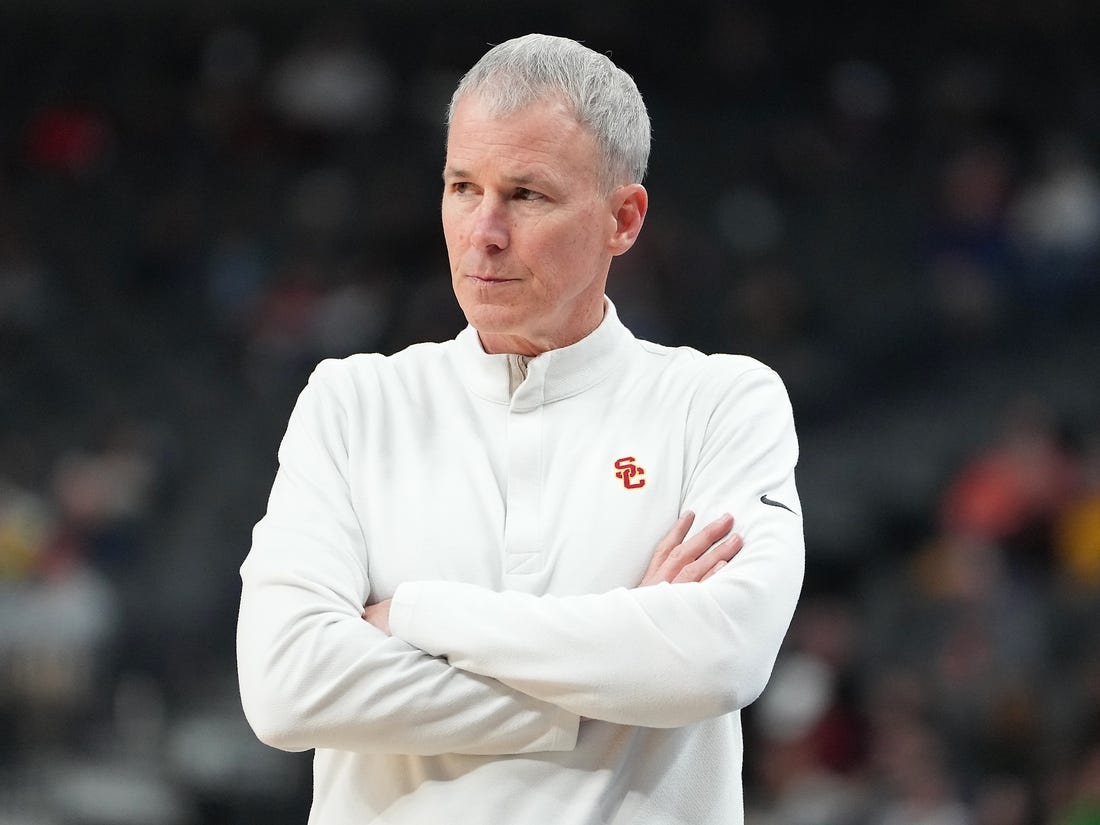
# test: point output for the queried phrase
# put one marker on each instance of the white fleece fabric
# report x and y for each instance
(528, 679)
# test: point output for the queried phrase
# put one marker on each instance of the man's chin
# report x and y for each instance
(486, 316)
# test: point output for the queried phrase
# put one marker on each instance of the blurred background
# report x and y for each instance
(895, 205)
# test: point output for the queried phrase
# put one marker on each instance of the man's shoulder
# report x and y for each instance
(692, 364)
(416, 356)
(367, 374)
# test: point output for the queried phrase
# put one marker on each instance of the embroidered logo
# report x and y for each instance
(771, 502)
(629, 473)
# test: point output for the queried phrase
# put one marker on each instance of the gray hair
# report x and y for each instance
(604, 99)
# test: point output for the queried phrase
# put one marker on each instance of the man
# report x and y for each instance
(466, 593)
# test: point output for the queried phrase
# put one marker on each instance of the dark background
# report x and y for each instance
(897, 206)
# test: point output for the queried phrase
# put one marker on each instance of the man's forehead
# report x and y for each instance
(542, 120)
(519, 143)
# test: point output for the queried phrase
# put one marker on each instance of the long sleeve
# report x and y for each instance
(312, 672)
(659, 656)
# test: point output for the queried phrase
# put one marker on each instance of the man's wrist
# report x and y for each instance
(378, 615)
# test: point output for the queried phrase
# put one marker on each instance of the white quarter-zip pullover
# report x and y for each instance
(510, 517)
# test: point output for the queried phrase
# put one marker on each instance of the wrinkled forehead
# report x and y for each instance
(543, 135)
(548, 118)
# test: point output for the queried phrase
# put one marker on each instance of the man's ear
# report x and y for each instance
(629, 205)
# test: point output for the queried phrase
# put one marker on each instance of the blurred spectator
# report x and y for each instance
(72, 140)
(352, 316)
(105, 495)
(982, 638)
(1055, 223)
(1077, 531)
(971, 267)
(800, 783)
(57, 618)
(28, 527)
(280, 340)
(1014, 488)
(316, 309)
(826, 630)
(332, 83)
(917, 779)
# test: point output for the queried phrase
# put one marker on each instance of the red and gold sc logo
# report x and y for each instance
(629, 473)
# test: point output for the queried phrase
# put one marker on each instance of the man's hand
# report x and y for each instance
(676, 560)
(378, 614)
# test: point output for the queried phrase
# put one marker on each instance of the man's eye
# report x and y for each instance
(527, 194)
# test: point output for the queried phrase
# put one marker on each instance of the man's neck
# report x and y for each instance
(502, 344)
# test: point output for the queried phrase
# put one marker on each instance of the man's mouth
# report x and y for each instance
(490, 279)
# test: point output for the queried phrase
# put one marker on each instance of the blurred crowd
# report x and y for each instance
(897, 208)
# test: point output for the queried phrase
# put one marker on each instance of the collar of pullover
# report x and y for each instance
(544, 378)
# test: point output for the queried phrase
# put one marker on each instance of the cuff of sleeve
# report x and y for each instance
(416, 609)
(402, 604)
(563, 732)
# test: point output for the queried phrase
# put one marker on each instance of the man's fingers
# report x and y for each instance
(698, 544)
(709, 563)
(669, 543)
(676, 560)
(676, 534)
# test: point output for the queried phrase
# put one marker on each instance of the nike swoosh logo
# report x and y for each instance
(773, 503)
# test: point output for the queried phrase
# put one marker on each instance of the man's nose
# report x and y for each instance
(490, 228)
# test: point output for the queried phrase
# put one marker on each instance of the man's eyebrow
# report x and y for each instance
(522, 180)
(454, 173)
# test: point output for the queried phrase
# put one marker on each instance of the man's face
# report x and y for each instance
(530, 235)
